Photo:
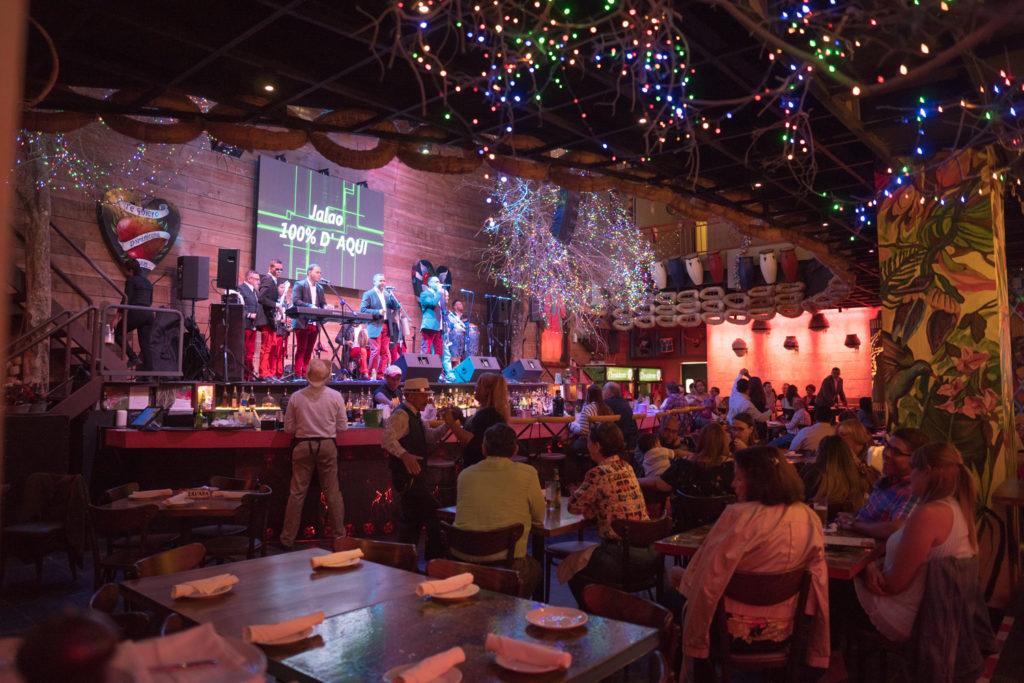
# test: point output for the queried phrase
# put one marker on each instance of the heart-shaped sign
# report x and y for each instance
(138, 228)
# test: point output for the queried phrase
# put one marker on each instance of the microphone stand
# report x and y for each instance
(330, 342)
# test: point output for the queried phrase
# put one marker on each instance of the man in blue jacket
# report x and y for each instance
(432, 303)
(378, 301)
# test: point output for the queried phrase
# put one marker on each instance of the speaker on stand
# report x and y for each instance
(227, 279)
(192, 279)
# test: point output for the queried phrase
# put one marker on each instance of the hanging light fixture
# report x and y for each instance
(791, 344)
(761, 326)
(739, 347)
(818, 322)
(852, 341)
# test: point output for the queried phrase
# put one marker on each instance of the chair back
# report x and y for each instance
(397, 555)
(120, 492)
(494, 579)
(991, 550)
(108, 523)
(605, 601)
(228, 483)
(130, 625)
(173, 623)
(483, 543)
(642, 533)
(695, 511)
(105, 599)
(171, 561)
(255, 508)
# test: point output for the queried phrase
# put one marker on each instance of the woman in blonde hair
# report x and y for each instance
(834, 479)
(941, 526)
(492, 395)
(857, 437)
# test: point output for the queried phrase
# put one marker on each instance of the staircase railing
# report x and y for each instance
(59, 329)
(117, 291)
(35, 335)
(120, 373)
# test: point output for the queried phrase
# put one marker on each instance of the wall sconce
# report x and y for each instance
(791, 344)
(852, 341)
(818, 322)
(739, 347)
(761, 326)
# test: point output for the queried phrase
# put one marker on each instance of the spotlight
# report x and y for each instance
(818, 322)
(269, 87)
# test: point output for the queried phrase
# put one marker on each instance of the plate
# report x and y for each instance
(460, 594)
(522, 667)
(351, 562)
(287, 640)
(452, 675)
(557, 618)
(203, 596)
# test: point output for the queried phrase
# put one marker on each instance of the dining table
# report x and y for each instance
(844, 561)
(374, 621)
(557, 522)
(211, 506)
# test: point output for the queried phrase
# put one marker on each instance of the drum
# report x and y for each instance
(695, 269)
(659, 275)
(745, 271)
(769, 267)
(472, 340)
(716, 266)
(458, 340)
(790, 265)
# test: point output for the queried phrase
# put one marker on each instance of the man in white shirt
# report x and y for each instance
(739, 401)
(314, 417)
(808, 438)
(255, 318)
(307, 293)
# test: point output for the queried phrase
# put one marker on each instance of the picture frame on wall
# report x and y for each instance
(666, 344)
(641, 344)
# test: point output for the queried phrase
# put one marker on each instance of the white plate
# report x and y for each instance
(351, 562)
(452, 675)
(460, 594)
(203, 596)
(557, 618)
(523, 667)
(287, 640)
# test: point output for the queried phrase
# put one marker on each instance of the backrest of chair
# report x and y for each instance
(483, 543)
(991, 549)
(752, 588)
(256, 506)
(228, 483)
(123, 521)
(105, 599)
(642, 533)
(173, 623)
(494, 579)
(171, 561)
(119, 492)
(695, 511)
(398, 555)
(605, 601)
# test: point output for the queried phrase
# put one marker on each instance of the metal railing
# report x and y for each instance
(61, 324)
(31, 337)
(123, 346)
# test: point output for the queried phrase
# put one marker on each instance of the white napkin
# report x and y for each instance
(194, 644)
(261, 633)
(151, 493)
(180, 499)
(231, 495)
(335, 559)
(452, 583)
(432, 667)
(531, 653)
(202, 586)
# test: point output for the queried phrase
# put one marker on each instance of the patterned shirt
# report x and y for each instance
(888, 501)
(609, 491)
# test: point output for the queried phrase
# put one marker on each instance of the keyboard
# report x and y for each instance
(335, 315)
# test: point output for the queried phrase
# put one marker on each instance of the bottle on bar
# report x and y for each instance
(234, 397)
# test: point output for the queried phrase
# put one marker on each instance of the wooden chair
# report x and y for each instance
(762, 590)
(494, 579)
(991, 549)
(154, 541)
(397, 555)
(254, 508)
(111, 524)
(483, 543)
(173, 623)
(555, 552)
(612, 603)
(695, 511)
(223, 529)
(171, 561)
(131, 625)
(641, 534)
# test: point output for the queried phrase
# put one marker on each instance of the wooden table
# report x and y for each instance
(844, 562)
(275, 588)
(362, 645)
(556, 523)
(196, 507)
(1010, 494)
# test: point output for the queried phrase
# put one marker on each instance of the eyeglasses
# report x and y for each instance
(892, 451)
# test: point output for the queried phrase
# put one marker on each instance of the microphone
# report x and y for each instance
(325, 281)
(389, 288)
(466, 291)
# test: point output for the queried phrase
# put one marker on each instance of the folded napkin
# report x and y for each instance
(151, 493)
(448, 585)
(192, 645)
(335, 559)
(180, 499)
(432, 667)
(231, 495)
(262, 633)
(202, 586)
(531, 653)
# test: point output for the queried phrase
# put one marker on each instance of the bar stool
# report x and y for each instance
(442, 472)
(549, 463)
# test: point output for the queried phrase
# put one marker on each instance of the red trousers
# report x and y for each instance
(280, 351)
(305, 340)
(270, 340)
(250, 352)
(380, 352)
(357, 354)
(431, 342)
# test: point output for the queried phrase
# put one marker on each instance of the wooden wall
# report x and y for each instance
(429, 216)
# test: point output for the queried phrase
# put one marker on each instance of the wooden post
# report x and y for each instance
(34, 197)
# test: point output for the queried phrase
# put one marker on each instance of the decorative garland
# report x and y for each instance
(179, 132)
(362, 159)
(417, 155)
(249, 137)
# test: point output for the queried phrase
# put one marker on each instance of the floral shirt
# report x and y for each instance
(609, 491)
(888, 501)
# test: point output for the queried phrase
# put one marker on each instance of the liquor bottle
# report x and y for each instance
(234, 397)
(268, 400)
(243, 400)
(556, 492)
(199, 421)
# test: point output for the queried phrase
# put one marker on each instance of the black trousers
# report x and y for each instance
(144, 330)
(417, 508)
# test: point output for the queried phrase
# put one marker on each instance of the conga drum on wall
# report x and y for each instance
(790, 265)
(716, 266)
(769, 266)
(695, 269)
(745, 271)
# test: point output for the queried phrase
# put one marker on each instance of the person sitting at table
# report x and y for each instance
(789, 396)
(706, 473)
(941, 526)
(314, 417)
(497, 492)
(891, 500)
(740, 401)
(862, 446)
(407, 442)
(808, 438)
(809, 396)
(741, 431)
(580, 426)
(768, 530)
(610, 491)
(834, 479)
(652, 458)
(799, 419)
(866, 414)
(612, 395)
(669, 435)
(389, 393)
(492, 394)
(675, 398)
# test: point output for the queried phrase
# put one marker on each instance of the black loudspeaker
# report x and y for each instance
(193, 276)
(424, 365)
(524, 370)
(235, 329)
(567, 211)
(499, 310)
(470, 369)
(227, 269)
(536, 314)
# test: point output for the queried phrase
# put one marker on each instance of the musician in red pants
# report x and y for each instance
(307, 292)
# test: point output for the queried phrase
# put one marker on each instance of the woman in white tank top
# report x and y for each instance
(940, 526)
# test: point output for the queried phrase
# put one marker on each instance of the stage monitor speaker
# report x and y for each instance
(193, 276)
(470, 369)
(524, 370)
(235, 335)
(227, 269)
(424, 365)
